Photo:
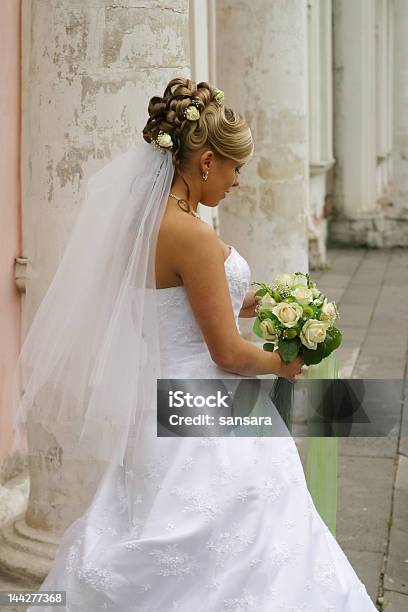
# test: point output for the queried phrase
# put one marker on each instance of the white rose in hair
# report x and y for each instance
(313, 332)
(288, 313)
(164, 140)
(192, 113)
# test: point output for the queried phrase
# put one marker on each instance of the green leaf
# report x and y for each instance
(256, 329)
(278, 324)
(288, 349)
(332, 341)
(265, 313)
(312, 357)
(268, 346)
(261, 292)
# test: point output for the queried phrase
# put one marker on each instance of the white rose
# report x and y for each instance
(218, 95)
(313, 332)
(268, 330)
(192, 113)
(164, 140)
(303, 294)
(329, 311)
(298, 279)
(315, 292)
(288, 313)
(284, 279)
(267, 301)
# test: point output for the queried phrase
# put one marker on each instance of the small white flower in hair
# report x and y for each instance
(164, 140)
(218, 95)
(192, 113)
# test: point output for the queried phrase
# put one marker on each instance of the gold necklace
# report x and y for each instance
(188, 209)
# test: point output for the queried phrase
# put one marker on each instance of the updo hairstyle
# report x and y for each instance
(219, 128)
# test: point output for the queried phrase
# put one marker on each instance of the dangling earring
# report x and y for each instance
(205, 175)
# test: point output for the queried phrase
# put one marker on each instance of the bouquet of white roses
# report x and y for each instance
(296, 318)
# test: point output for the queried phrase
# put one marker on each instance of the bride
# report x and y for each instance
(147, 290)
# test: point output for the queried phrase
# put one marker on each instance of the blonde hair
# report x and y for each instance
(219, 128)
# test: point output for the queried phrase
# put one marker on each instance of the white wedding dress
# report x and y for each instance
(204, 524)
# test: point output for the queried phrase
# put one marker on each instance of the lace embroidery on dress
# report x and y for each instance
(172, 562)
(151, 472)
(283, 554)
(225, 477)
(99, 578)
(187, 463)
(246, 602)
(324, 573)
(199, 500)
(229, 544)
(269, 490)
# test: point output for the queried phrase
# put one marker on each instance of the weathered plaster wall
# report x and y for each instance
(89, 69)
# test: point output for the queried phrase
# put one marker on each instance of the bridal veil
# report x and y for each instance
(88, 366)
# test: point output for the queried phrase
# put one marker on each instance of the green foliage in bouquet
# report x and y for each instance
(295, 318)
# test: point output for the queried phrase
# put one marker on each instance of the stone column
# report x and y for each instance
(320, 126)
(355, 109)
(262, 68)
(384, 97)
(89, 69)
(202, 25)
(366, 210)
(400, 150)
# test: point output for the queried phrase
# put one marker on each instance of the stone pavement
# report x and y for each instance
(371, 290)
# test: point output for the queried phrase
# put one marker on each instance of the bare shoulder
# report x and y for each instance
(197, 242)
(184, 240)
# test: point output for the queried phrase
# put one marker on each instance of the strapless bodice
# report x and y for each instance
(181, 339)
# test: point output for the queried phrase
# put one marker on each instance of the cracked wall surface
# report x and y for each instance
(89, 71)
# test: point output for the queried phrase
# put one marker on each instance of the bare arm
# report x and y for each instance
(200, 263)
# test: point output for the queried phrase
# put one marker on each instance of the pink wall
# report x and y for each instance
(10, 210)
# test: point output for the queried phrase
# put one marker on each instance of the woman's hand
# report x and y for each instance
(294, 368)
(249, 304)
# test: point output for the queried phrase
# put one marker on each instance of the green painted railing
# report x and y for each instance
(322, 452)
